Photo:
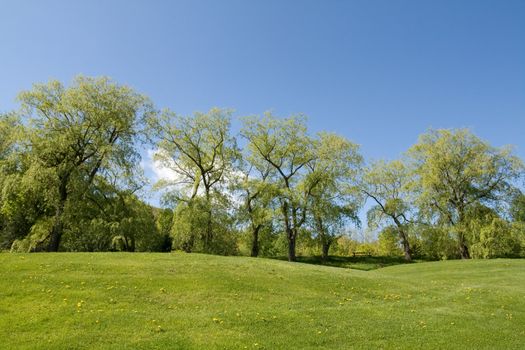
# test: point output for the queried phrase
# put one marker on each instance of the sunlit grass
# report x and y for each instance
(160, 301)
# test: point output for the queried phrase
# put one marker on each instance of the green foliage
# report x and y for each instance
(70, 180)
(164, 223)
(10, 130)
(120, 222)
(389, 185)
(455, 170)
(518, 234)
(201, 151)
(37, 234)
(84, 128)
(332, 187)
(436, 243)
(198, 148)
(256, 211)
(284, 147)
(74, 134)
(11, 215)
(495, 240)
(517, 207)
(190, 228)
(346, 246)
(388, 242)
(24, 200)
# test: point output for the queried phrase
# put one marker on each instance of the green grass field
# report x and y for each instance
(193, 301)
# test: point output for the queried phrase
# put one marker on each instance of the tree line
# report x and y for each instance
(71, 180)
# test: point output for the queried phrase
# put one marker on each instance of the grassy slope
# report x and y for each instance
(148, 301)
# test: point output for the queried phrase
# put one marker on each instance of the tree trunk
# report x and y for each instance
(404, 240)
(406, 249)
(58, 225)
(209, 234)
(291, 245)
(255, 241)
(57, 230)
(325, 249)
(325, 240)
(291, 235)
(463, 249)
(188, 245)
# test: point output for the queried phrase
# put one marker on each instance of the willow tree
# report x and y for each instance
(256, 194)
(283, 145)
(78, 132)
(456, 170)
(387, 184)
(10, 168)
(10, 141)
(9, 124)
(200, 150)
(332, 187)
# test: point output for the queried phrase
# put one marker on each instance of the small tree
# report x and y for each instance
(331, 184)
(256, 195)
(283, 144)
(387, 184)
(202, 153)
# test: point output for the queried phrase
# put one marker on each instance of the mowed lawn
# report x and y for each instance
(194, 301)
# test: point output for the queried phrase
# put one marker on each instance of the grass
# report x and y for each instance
(193, 301)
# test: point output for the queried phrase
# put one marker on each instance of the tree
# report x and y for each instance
(111, 218)
(201, 151)
(9, 126)
(455, 170)
(490, 234)
(78, 132)
(517, 207)
(284, 145)
(17, 208)
(164, 223)
(256, 197)
(331, 181)
(387, 184)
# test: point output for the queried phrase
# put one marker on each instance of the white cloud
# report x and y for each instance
(157, 170)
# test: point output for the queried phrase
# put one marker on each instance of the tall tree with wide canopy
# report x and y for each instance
(332, 186)
(388, 185)
(455, 170)
(79, 132)
(200, 150)
(284, 145)
(256, 195)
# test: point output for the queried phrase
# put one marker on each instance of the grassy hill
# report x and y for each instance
(193, 301)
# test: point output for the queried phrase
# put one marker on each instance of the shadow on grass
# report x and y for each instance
(365, 263)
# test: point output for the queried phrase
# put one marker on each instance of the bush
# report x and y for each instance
(388, 242)
(496, 240)
(436, 243)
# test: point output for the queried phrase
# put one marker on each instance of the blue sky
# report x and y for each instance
(378, 72)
